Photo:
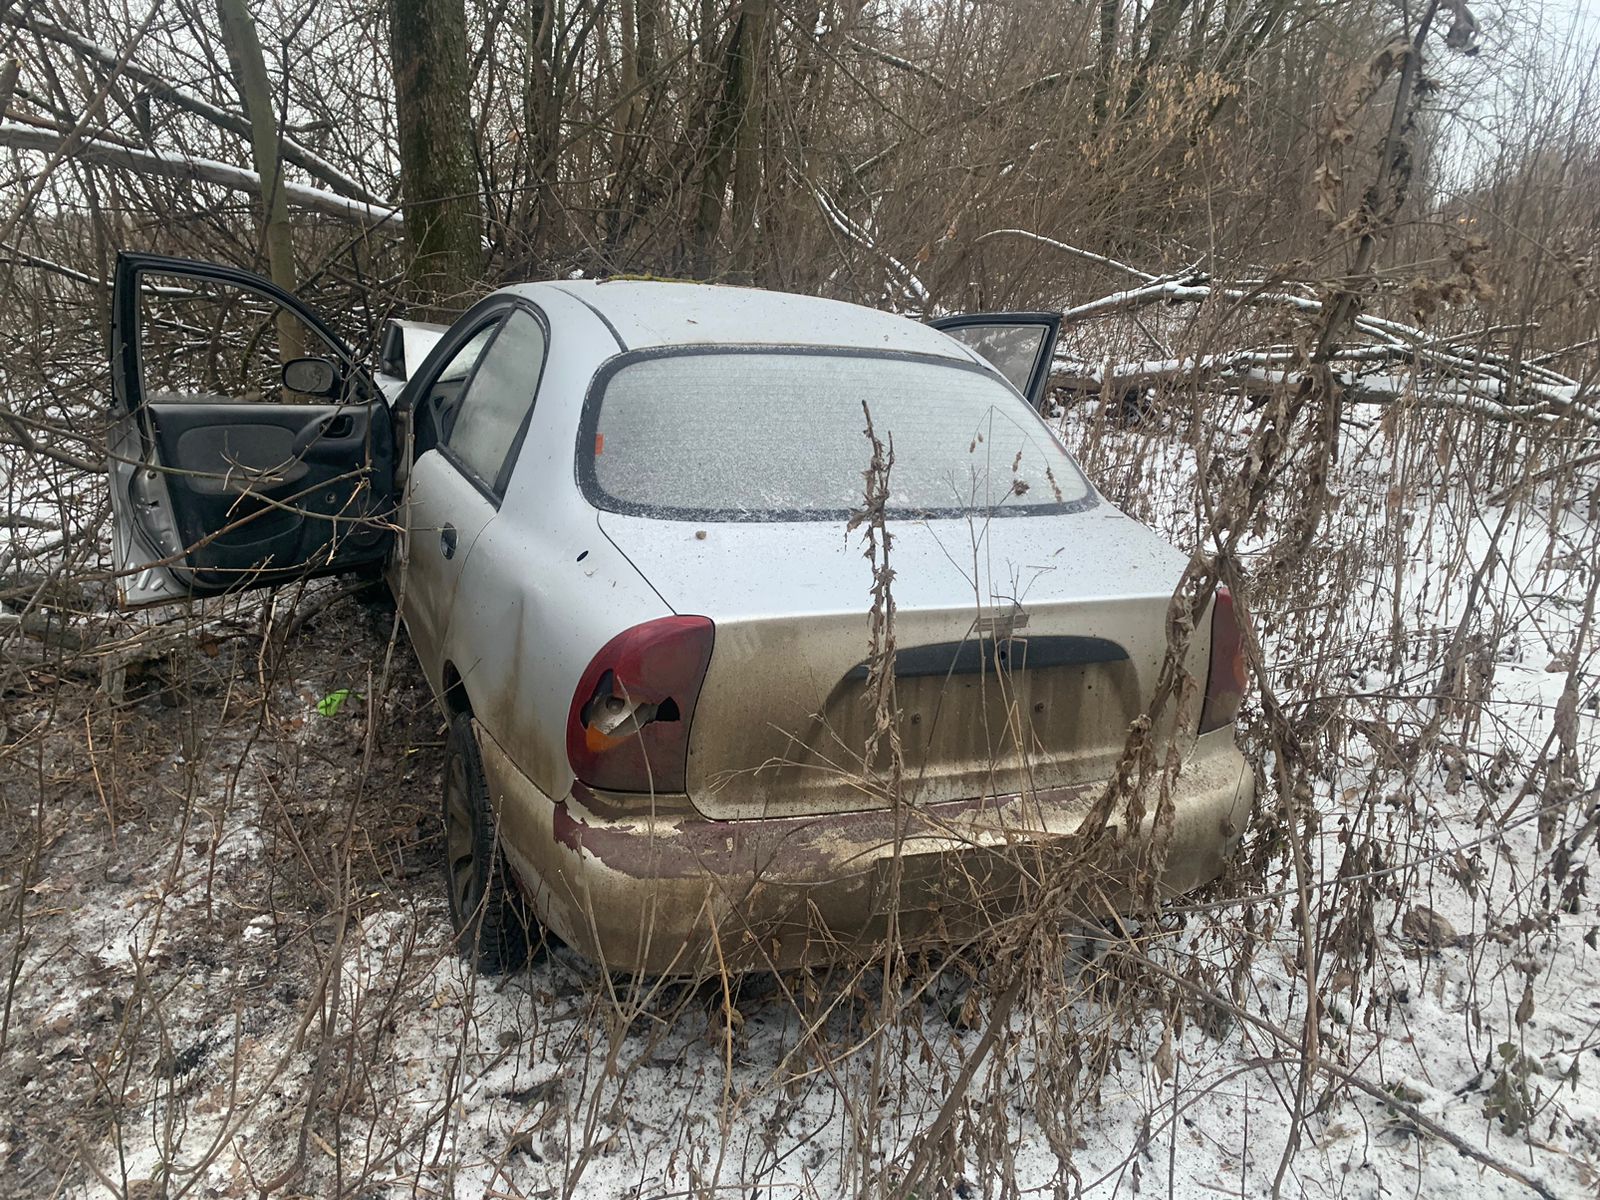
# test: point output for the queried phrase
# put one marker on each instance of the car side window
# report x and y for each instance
(215, 341)
(499, 397)
(460, 366)
(438, 408)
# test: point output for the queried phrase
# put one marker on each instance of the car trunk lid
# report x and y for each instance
(1024, 647)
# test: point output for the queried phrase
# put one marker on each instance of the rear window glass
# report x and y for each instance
(779, 435)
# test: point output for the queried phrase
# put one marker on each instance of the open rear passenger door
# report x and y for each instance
(1018, 345)
(249, 447)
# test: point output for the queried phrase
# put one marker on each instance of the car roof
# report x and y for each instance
(650, 313)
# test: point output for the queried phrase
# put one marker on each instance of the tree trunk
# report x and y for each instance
(750, 142)
(728, 108)
(1107, 55)
(627, 82)
(541, 125)
(438, 179)
(649, 20)
(1159, 27)
(10, 68)
(255, 92)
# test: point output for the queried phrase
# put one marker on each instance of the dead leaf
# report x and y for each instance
(1387, 60)
(1428, 928)
(1525, 1009)
(1328, 184)
(1164, 1055)
(1463, 27)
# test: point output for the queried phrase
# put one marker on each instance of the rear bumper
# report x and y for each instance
(676, 893)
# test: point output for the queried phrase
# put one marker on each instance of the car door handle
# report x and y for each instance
(447, 541)
(330, 435)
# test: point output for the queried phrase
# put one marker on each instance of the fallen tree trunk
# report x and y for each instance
(1365, 382)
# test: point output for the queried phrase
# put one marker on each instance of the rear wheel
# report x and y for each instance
(493, 925)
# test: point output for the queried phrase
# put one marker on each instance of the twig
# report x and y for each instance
(1088, 255)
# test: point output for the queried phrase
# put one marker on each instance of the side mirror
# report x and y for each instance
(312, 377)
(392, 350)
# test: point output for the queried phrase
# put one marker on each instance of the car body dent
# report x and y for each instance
(424, 580)
(517, 671)
(672, 893)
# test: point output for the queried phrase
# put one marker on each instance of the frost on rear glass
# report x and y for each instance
(746, 436)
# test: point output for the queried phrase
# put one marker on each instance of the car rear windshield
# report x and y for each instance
(780, 435)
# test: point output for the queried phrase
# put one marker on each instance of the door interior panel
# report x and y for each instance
(438, 413)
(263, 491)
(227, 477)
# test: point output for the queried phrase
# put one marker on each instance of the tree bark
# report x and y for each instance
(255, 93)
(749, 142)
(1159, 27)
(438, 178)
(541, 124)
(640, 161)
(1106, 53)
(627, 79)
(10, 68)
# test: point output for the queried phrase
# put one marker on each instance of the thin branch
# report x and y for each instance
(1409, 1111)
(895, 61)
(1088, 255)
(22, 438)
(970, 113)
(862, 238)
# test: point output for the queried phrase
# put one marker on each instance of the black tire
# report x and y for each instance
(493, 925)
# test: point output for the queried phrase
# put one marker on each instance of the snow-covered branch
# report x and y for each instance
(1442, 375)
(173, 165)
(861, 237)
(1088, 255)
(1156, 292)
(897, 62)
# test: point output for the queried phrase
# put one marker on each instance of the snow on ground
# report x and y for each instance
(255, 967)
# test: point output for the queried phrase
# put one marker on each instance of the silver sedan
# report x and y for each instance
(613, 515)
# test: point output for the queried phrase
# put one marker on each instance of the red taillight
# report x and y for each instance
(1225, 682)
(628, 729)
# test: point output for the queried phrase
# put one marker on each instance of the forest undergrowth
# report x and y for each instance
(229, 970)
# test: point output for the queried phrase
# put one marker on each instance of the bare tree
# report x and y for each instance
(428, 40)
